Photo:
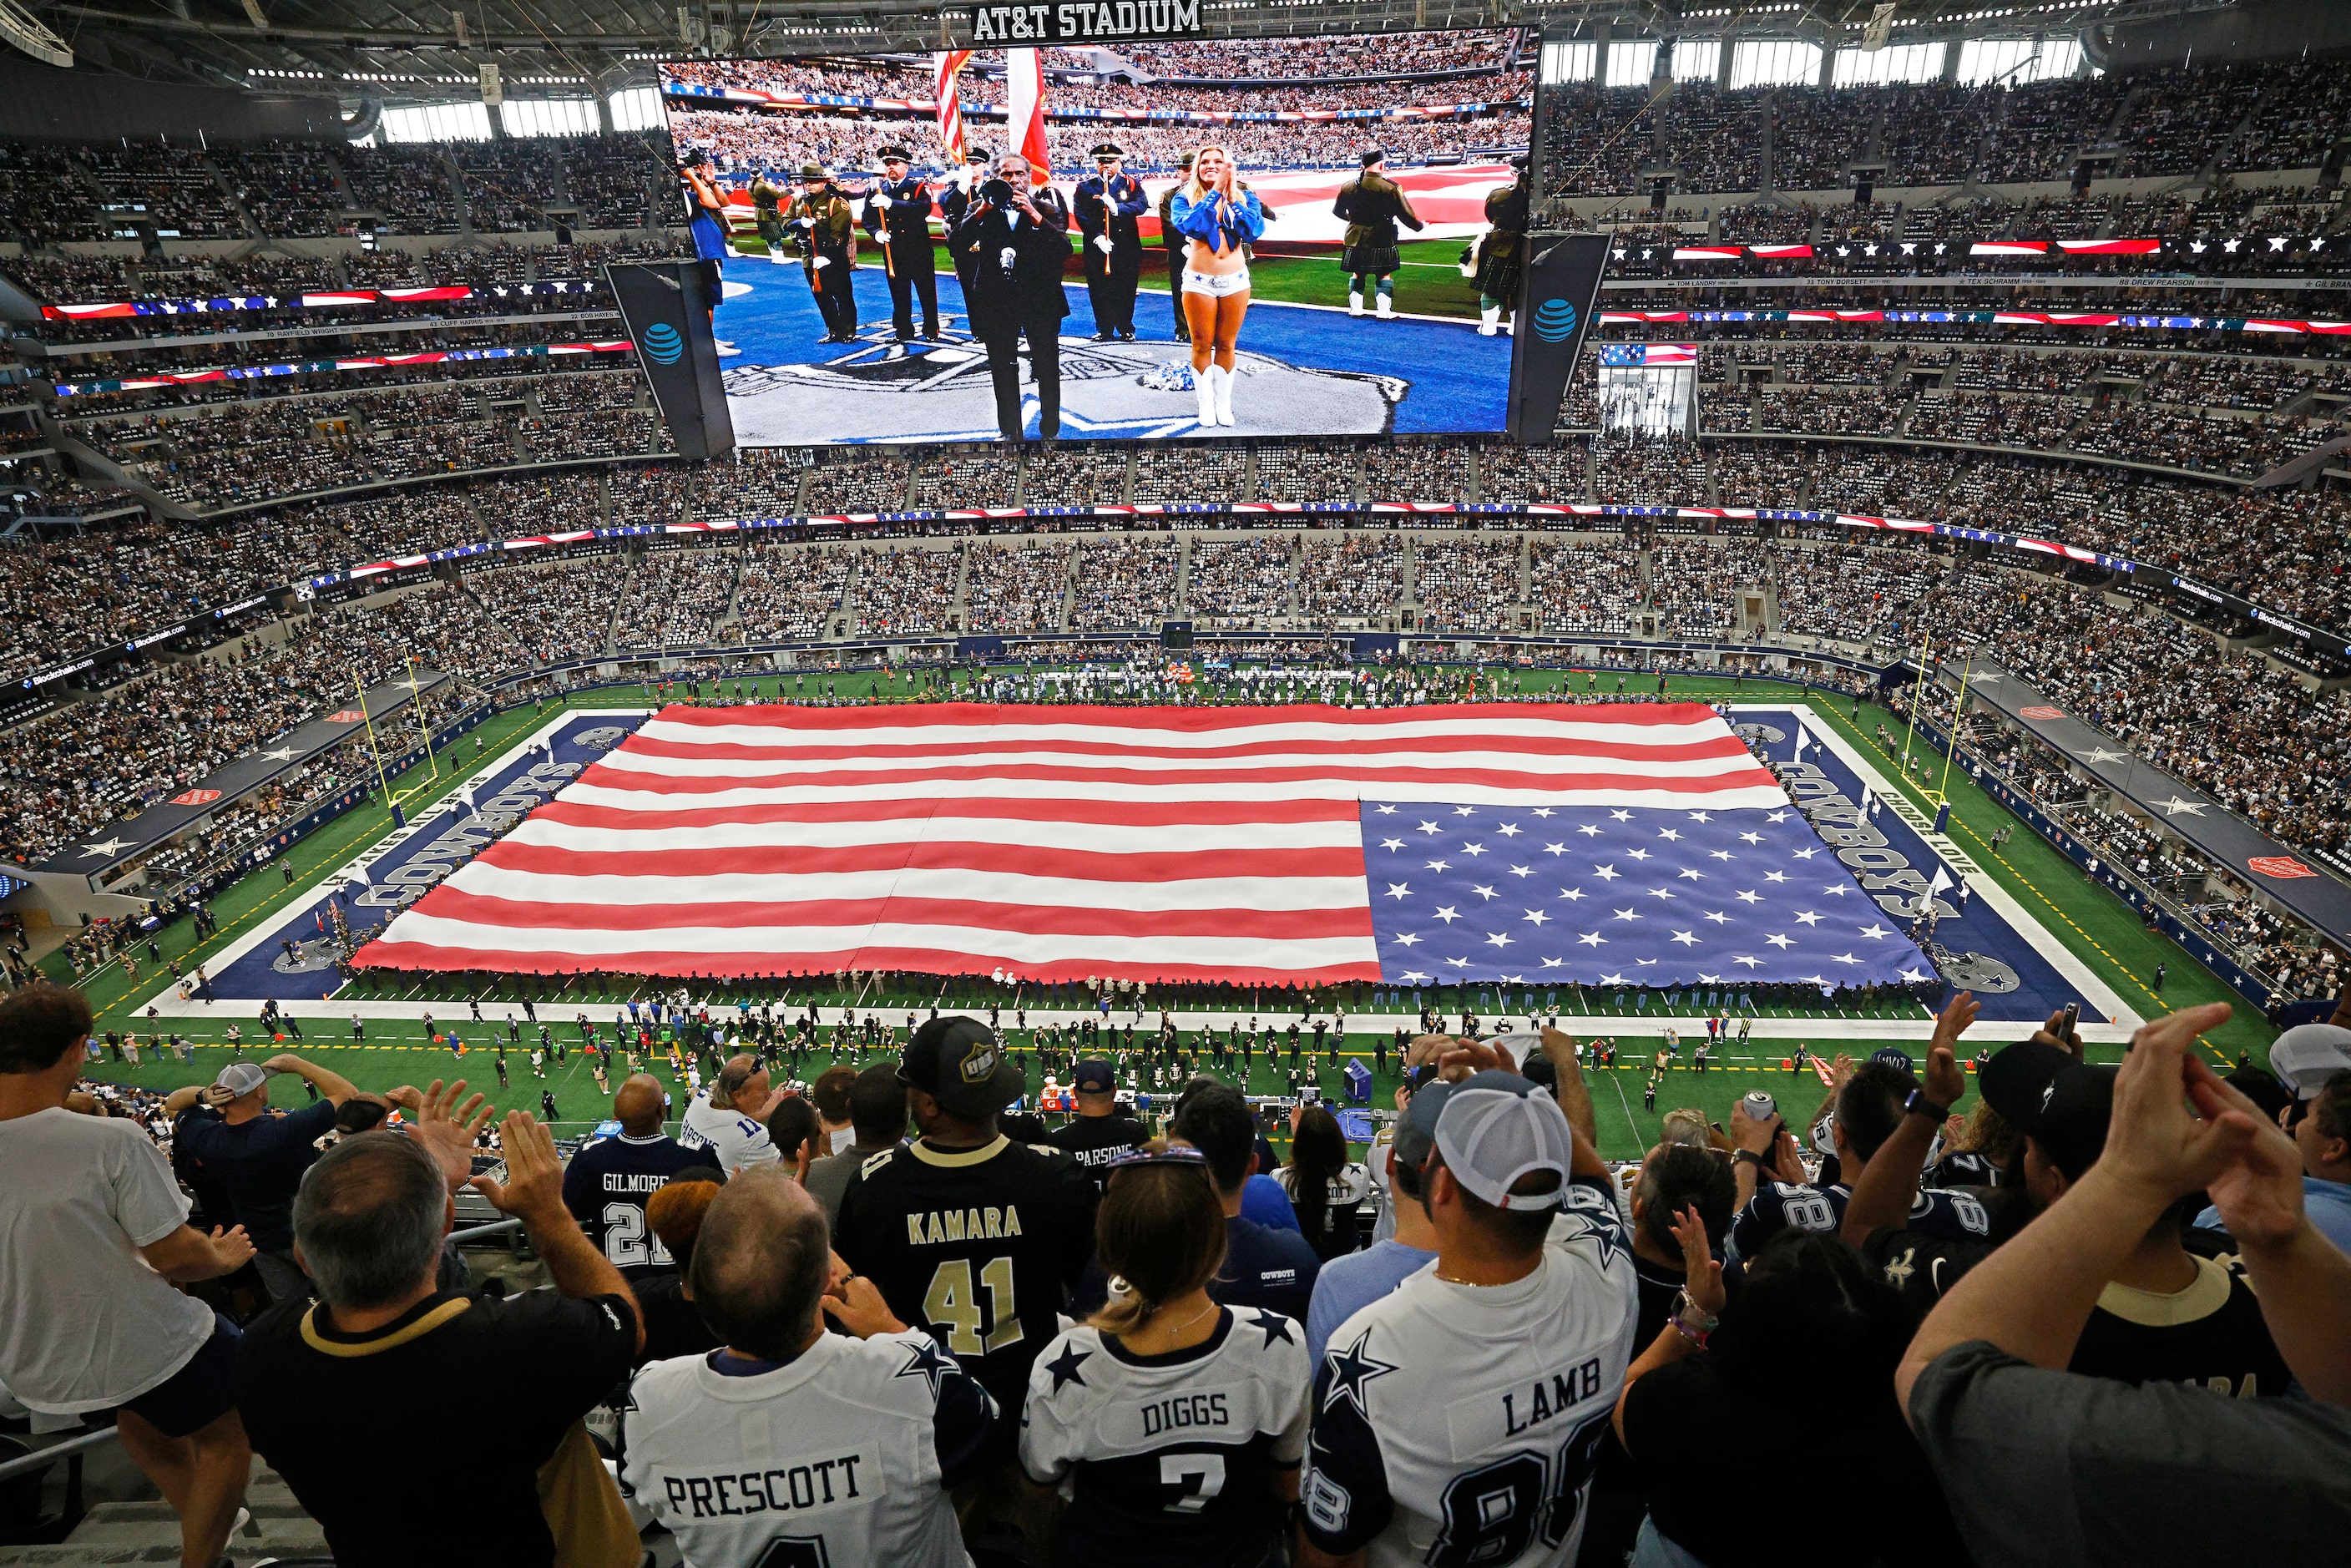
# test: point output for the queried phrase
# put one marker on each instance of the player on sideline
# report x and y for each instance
(790, 1446)
(1218, 217)
(1456, 1419)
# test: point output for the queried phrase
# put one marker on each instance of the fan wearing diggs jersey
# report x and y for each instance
(1456, 1420)
(1174, 1425)
(968, 1233)
(789, 1447)
(609, 1181)
(729, 1119)
(1873, 1103)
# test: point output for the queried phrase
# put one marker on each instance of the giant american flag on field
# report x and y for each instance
(1627, 843)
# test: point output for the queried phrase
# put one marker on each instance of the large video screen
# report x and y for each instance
(1286, 236)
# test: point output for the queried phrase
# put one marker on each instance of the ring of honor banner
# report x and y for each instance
(666, 309)
(1559, 299)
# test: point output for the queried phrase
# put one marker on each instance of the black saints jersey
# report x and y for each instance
(1170, 1460)
(978, 1246)
(1095, 1141)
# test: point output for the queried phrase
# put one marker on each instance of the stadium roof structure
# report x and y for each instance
(422, 51)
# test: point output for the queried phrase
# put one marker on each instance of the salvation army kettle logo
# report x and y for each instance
(1555, 321)
(663, 343)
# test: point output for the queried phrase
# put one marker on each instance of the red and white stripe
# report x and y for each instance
(1055, 843)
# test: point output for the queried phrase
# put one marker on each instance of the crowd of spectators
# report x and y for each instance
(1122, 584)
(1014, 588)
(675, 598)
(1240, 582)
(906, 592)
(790, 593)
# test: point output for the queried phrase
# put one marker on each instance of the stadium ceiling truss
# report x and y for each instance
(424, 50)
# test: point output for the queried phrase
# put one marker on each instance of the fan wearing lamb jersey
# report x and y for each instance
(1868, 1107)
(1458, 1419)
(790, 1447)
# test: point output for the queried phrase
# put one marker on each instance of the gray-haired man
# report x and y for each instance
(349, 1397)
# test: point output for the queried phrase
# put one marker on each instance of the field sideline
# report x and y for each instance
(2094, 926)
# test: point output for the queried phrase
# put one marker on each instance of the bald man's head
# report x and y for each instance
(762, 1260)
(638, 1104)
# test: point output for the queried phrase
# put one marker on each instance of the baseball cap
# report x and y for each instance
(1092, 1076)
(959, 1062)
(1893, 1057)
(1416, 1130)
(1495, 1127)
(240, 1079)
(2303, 1056)
(2061, 1104)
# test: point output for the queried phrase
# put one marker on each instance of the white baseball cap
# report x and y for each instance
(2303, 1056)
(1495, 1128)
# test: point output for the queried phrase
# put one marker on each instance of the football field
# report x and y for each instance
(2037, 931)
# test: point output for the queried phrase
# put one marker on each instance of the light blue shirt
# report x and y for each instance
(2328, 1204)
(1349, 1284)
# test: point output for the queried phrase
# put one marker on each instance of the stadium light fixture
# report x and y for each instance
(21, 29)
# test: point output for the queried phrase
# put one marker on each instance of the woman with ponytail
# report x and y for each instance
(1174, 1426)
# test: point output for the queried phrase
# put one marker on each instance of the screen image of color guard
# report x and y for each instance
(1275, 237)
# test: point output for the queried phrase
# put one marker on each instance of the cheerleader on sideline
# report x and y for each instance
(1217, 217)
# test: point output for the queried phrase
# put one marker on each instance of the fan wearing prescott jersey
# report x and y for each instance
(1173, 1423)
(789, 1447)
(967, 1234)
(609, 1181)
(1869, 1109)
(1457, 1420)
(728, 1120)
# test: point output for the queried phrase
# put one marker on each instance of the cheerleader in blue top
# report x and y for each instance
(1217, 218)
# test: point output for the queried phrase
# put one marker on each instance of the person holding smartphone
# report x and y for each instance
(1217, 218)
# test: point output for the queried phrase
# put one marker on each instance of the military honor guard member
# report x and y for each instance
(898, 214)
(1108, 208)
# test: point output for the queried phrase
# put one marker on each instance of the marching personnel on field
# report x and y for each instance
(828, 246)
(1174, 243)
(955, 204)
(1108, 207)
(898, 214)
(1501, 251)
(1372, 205)
(767, 200)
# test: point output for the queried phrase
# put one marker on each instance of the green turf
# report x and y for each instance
(2102, 931)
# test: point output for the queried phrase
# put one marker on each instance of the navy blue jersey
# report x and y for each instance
(1784, 1206)
(606, 1190)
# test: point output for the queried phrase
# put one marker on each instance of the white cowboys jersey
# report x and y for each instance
(1457, 1423)
(734, 1139)
(840, 1456)
(1170, 1460)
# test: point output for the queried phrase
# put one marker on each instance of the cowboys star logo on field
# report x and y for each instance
(2278, 866)
(195, 798)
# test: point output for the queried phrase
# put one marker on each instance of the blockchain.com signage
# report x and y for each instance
(1085, 22)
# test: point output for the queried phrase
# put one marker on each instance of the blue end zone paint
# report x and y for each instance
(419, 860)
(1457, 381)
(1984, 952)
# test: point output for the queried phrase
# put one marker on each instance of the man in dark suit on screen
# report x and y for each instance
(1017, 238)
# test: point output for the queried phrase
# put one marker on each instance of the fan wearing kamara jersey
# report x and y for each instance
(1458, 1419)
(609, 1181)
(1868, 1108)
(970, 1235)
(790, 1447)
(1174, 1425)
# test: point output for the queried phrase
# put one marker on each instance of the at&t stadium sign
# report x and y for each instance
(1085, 21)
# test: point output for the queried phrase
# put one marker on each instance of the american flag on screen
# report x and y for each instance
(1625, 843)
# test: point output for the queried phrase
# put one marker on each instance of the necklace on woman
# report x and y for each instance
(1177, 1329)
